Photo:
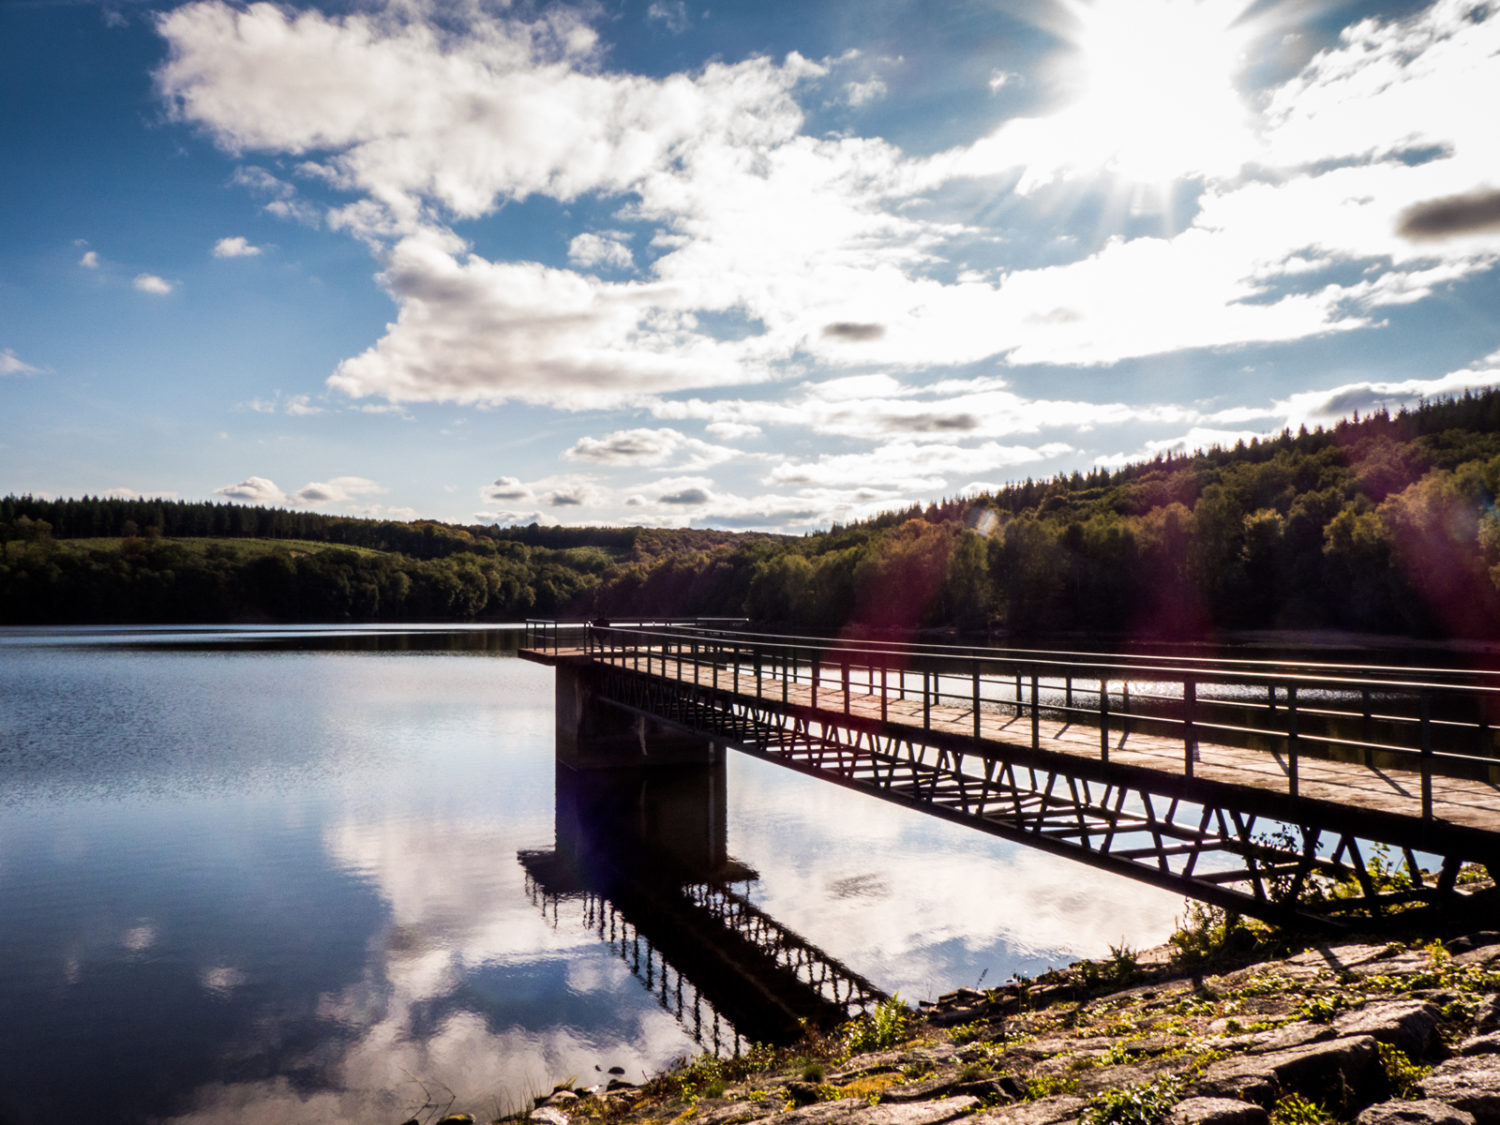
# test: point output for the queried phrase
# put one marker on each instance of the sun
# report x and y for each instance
(1157, 100)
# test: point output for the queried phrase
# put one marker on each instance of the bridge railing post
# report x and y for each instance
(1189, 735)
(926, 699)
(884, 699)
(1036, 712)
(1291, 740)
(1104, 720)
(844, 674)
(815, 662)
(1425, 710)
(977, 668)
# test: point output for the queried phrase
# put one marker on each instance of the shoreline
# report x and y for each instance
(1222, 1025)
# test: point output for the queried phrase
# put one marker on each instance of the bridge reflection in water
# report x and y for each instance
(641, 860)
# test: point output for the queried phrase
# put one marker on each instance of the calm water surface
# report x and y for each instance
(272, 875)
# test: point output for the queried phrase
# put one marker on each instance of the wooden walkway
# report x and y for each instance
(1458, 801)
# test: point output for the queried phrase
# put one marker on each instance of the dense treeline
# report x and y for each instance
(1385, 524)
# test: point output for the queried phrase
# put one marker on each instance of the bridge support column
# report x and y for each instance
(669, 821)
(592, 734)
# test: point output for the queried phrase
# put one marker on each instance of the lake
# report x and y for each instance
(276, 875)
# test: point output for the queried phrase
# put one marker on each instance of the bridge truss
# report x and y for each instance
(1282, 857)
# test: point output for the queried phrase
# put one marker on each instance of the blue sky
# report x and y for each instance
(747, 265)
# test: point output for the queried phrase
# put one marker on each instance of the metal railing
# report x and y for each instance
(1432, 722)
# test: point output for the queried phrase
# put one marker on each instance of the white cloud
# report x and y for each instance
(860, 93)
(672, 13)
(12, 364)
(647, 447)
(235, 247)
(766, 253)
(733, 431)
(150, 283)
(1324, 407)
(911, 466)
(608, 248)
(301, 406)
(263, 492)
(507, 490)
(90, 260)
(253, 490)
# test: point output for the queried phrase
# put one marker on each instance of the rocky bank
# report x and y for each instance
(1366, 1032)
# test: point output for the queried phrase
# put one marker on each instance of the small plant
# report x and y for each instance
(1147, 1103)
(1321, 1009)
(884, 1027)
(1294, 1109)
(1201, 933)
(1472, 873)
(1049, 1085)
(812, 1070)
(1401, 1072)
(967, 1032)
(972, 1072)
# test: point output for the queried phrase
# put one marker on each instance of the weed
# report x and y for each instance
(972, 1072)
(1294, 1109)
(967, 1032)
(884, 1027)
(1147, 1103)
(1201, 933)
(812, 1070)
(1049, 1085)
(1401, 1072)
(1321, 1009)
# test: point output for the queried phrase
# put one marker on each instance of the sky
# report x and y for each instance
(746, 265)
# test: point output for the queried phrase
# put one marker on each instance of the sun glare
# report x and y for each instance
(1157, 98)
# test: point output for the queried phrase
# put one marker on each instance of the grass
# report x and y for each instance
(237, 548)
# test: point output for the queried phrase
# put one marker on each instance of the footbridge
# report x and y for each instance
(1302, 792)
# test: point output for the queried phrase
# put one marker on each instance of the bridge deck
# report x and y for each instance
(1459, 801)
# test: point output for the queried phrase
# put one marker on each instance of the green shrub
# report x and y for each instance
(1294, 1109)
(1401, 1072)
(1146, 1103)
(884, 1027)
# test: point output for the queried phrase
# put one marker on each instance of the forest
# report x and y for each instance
(1383, 524)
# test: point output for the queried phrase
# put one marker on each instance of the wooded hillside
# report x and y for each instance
(1385, 524)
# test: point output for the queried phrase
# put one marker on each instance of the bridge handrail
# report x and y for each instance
(1204, 669)
(1310, 728)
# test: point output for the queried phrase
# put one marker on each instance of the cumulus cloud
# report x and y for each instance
(150, 283)
(765, 251)
(859, 93)
(253, 490)
(90, 260)
(235, 246)
(264, 492)
(338, 490)
(507, 489)
(12, 364)
(912, 466)
(647, 447)
(1454, 215)
(1324, 407)
(607, 248)
(853, 331)
(686, 496)
(733, 431)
